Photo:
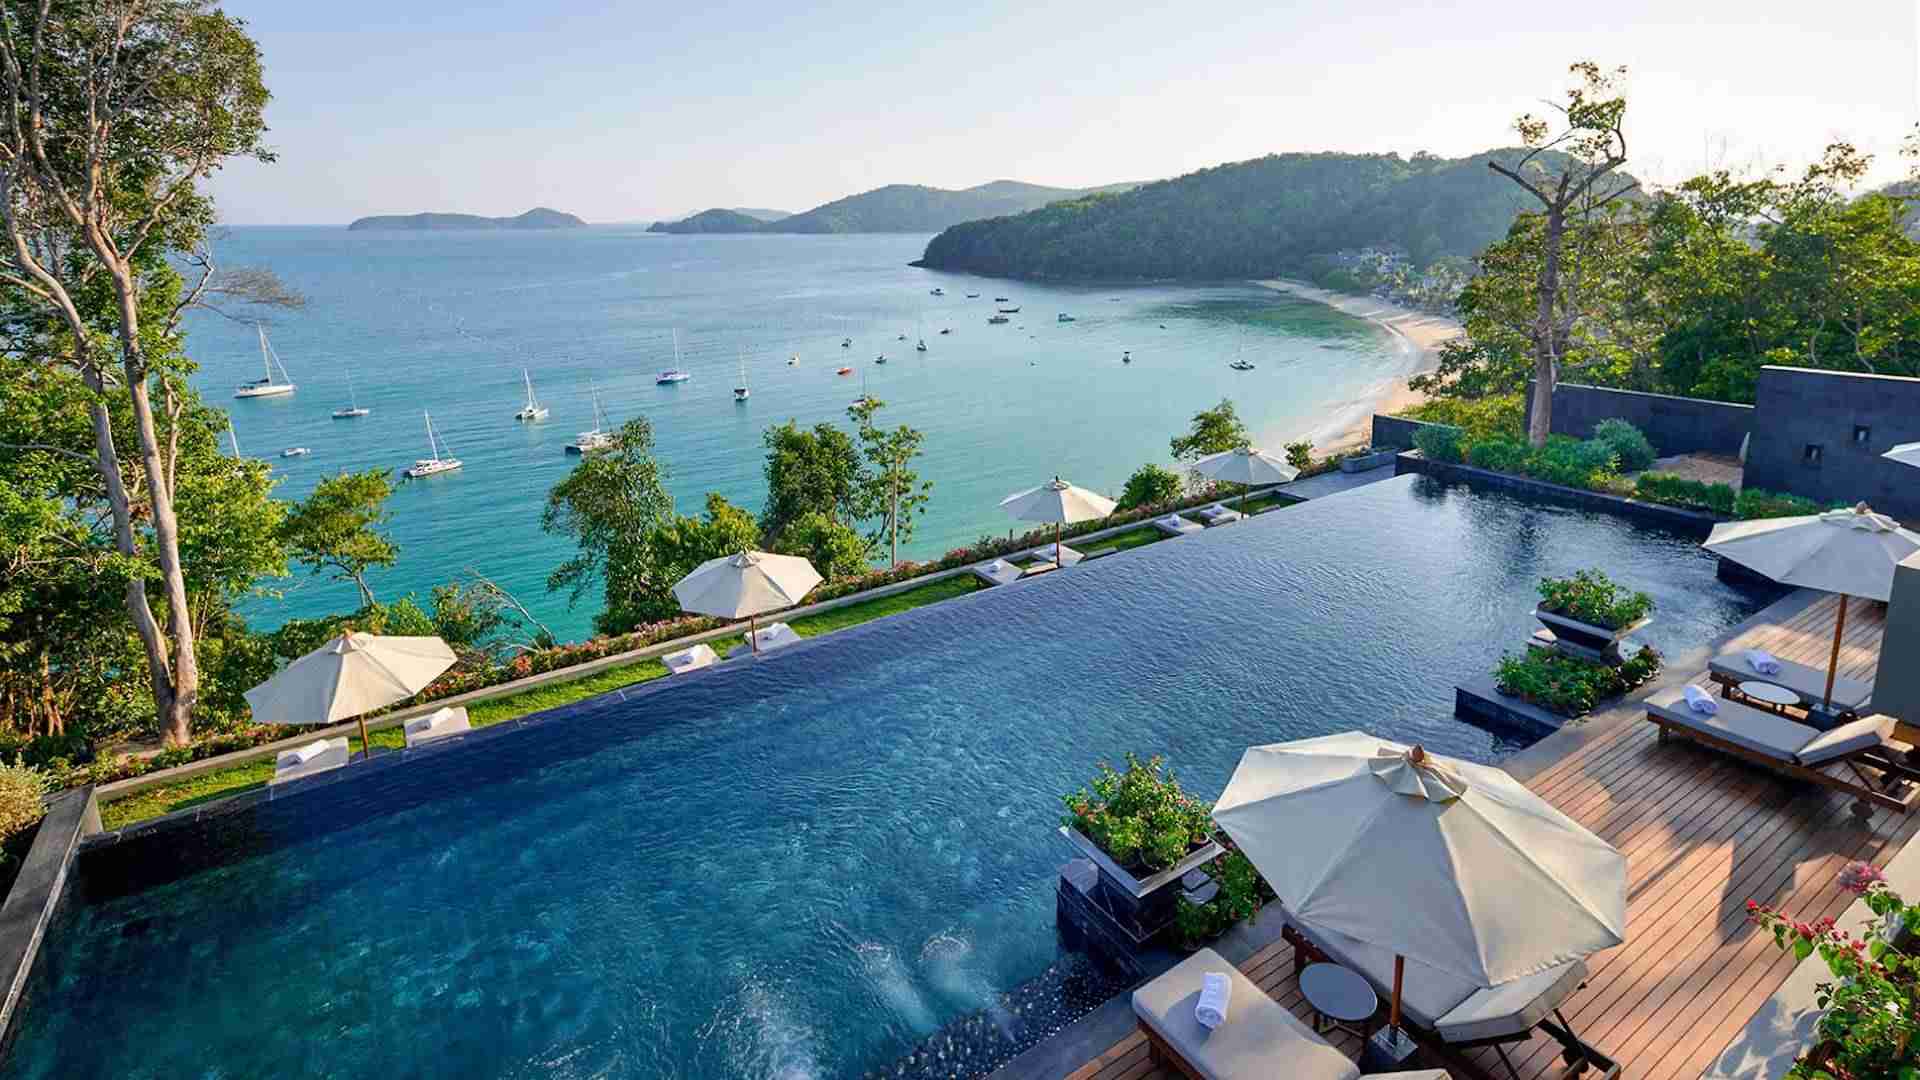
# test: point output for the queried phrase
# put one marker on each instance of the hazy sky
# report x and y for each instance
(633, 111)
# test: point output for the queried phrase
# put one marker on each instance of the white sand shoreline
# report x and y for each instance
(1420, 333)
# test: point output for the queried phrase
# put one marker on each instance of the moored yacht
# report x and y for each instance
(353, 410)
(433, 463)
(532, 410)
(595, 438)
(268, 386)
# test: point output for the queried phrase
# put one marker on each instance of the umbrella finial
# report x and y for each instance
(1417, 754)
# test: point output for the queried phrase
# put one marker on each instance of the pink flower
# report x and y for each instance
(1860, 877)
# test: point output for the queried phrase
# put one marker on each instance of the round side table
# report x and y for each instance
(1340, 997)
(1769, 695)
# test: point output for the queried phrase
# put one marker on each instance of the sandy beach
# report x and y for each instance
(1421, 333)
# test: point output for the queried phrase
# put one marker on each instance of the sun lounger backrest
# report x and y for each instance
(1861, 734)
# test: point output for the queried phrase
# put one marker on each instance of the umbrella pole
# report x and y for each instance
(753, 637)
(1399, 976)
(1058, 555)
(366, 745)
(1833, 662)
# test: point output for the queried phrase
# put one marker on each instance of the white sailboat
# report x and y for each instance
(353, 409)
(532, 410)
(598, 438)
(266, 387)
(740, 391)
(676, 373)
(433, 463)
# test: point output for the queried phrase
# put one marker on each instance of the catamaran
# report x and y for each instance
(740, 391)
(266, 387)
(674, 374)
(295, 451)
(598, 438)
(353, 410)
(1063, 317)
(532, 410)
(433, 463)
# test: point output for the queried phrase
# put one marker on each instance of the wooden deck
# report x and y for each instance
(1703, 834)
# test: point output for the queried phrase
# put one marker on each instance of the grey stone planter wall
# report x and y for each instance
(1368, 462)
(1142, 906)
(1586, 640)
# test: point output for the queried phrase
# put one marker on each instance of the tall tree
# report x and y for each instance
(1571, 186)
(610, 504)
(116, 110)
(891, 493)
(338, 528)
(813, 471)
(1213, 431)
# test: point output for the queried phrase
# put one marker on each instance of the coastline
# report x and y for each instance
(1420, 333)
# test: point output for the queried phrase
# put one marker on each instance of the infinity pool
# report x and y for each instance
(804, 865)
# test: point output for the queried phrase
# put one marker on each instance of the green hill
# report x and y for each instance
(537, 218)
(760, 213)
(1249, 219)
(915, 208)
(710, 221)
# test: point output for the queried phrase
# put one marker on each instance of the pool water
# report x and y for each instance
(799, 866)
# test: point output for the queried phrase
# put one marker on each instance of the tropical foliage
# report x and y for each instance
(1569, 685)
(1591, 597)
(1214, 431)
(1149, 485)
(1140, 817)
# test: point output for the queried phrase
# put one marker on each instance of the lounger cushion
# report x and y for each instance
(1762, 732)
(691, 659)
(1861, 734)
(437, 725)
(1259, 1038)
(289, 765)
(1809, 683)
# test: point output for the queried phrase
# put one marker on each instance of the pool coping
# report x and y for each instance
(35, 897)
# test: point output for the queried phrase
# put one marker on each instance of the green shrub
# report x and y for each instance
(1150, 485)
(1756, 503)
(1568, 685)
(1140, 817)
(1500, 454)
(22, 790)
(1671, 490)
(1591, 597)
(1439, 442)
(1481, 418)
(1629, 445)
(1300, 454)
(1571, 463)
(1242, 893)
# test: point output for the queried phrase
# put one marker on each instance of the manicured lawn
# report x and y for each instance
(206, 787)
(1132, 538)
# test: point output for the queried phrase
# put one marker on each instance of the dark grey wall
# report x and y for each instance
(1896, 688)
(1394, 432)
(1800, 407)
(1675, 425)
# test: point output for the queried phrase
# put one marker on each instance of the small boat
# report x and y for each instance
(595, 438)
(532, 410)
(670, 376)
(1127, 357)
(1241, 365)
(947, 330)
(434, 463)
(740, 390)
(794, 360)
(881, 359)
(998, 319)
(846, 343)
(844, 371)
(1009, 311)
(922, 347)
(937, 291)
(1063, 317)
(999, 299)
(353, 410)
(266, 387)
(973, 296)
(902, 337)
(295, 451)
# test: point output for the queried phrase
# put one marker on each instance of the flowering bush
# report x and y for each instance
(1871, 1008)
(1140, 817)
(1591, 597)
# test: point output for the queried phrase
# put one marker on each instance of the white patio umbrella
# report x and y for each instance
(1060, 503)
(349, 676)
(1246, 466)
(1458, 866)
(746, 585)
(1905, 454)
(1850, 552)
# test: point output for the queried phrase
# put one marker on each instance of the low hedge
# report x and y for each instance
(1568, 685)
(1668, 489)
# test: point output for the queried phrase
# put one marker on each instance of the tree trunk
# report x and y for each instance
(893, 523)
(1540, 423)
(174, 709)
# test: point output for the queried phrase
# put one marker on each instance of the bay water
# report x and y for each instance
(445, 322)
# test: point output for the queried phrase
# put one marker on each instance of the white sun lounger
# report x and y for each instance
(699, 656)
(1797, 750)
(1849, 695)
(1068, 556)
(437, 725)
(315, 757)
(1175, 525)
(998, 572)
(771, 636)
(1260, 1038)
(1451, 1014)
(1218, 514)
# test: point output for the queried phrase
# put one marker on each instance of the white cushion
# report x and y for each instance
(685, 660)
(1512, 1007)
(319, 756)
(1762, 732)
(437, 725)
(1260, 1039)
(1861, 734)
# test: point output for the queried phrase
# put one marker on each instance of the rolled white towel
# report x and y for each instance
(999, 566)
(310, 751)
(1763, 661)
(1700, 701)
(1216, 992)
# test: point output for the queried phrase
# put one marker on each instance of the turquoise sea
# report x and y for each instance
(445, 322)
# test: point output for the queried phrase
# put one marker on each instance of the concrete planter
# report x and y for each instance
(1379, 459)
(1585, 640)
(1141, 906)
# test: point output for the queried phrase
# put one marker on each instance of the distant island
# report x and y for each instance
(537, 218)
(1272, 216)
(892, 209)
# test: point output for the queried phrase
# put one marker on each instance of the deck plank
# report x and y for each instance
(1702, 833)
